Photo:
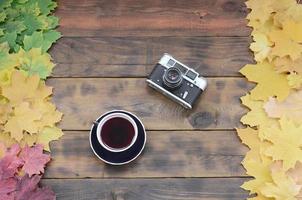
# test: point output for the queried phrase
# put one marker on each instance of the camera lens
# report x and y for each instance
(172, 78)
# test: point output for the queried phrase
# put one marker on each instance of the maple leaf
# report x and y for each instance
(260, 11)
(46, 6)
(35, 61)
(250, 138)
(286, 143)
(265, 28)
(10, 163)
(282, 187)
(294, 80)
(25, 88)
(286, 64)
(5, 112)
(28, 140)
(41, 40)
(2, 149)
(27, 188)
(293, 30)
(261, 46)
(34, 159)
(5, 77)
(257, 115)
(7, 186)
(261, 173)
(291, 108)
(296, 173)
(264, 74)
(47, 135)
(50, 116)
(293, 13)
(284, 45)
(8, 61)
(24, 119)
(6, 139)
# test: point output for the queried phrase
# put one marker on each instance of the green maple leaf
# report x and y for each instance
(46, 6)
(13, 26)
(52, 22)
(5, 3)
(32, 23)
(39, 39)
(1, 32)
(2, 15)
(10, 38)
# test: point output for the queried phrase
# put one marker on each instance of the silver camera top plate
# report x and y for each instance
(168, 61)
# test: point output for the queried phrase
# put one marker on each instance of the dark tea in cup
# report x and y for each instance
(117, 132)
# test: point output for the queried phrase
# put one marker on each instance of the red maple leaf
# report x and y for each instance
(34, 159)
(7, 187)
(10, 163)
(27, 188)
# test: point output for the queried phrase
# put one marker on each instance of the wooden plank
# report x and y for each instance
(82, 100)
(167, 154)
(157, 17)
(136, 56)
(148, 189)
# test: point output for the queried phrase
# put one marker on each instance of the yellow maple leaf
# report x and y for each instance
(270, 83)
(24, 119)
(281, 188)
(261, 46)
(28, 139)
(259, 27)
(47, 135)
(284, 45)
(293, 30)
(261, 173)
(286, 143)
(257, 115)
(5, 76)
(293, 12)
(286, 64)
(250, 138)
(34, 62)
(5, 111)
(294, 80)
(6, 139)
(2, 149)
(296, 173)
(291, 108)
(260, 10)
(50, 116)
(25, 88)
(260, 197)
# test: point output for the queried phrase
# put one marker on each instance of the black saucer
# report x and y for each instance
(118, 158)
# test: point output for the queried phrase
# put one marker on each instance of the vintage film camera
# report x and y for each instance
(177, 81)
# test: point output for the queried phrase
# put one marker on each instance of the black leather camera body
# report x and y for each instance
(177, 81)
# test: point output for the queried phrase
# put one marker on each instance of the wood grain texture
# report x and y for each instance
(136, 56)
(150, 18)
(83, 100)
(167, 154)
(148, 189)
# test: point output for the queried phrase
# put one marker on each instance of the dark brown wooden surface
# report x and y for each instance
(108, 48)
(148, 189)
(135, 56)
(167, 154)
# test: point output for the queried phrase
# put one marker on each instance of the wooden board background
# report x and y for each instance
(108, 49)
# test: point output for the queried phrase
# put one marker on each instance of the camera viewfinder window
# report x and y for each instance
(171, 62)
(191, 75)
(181, 68)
